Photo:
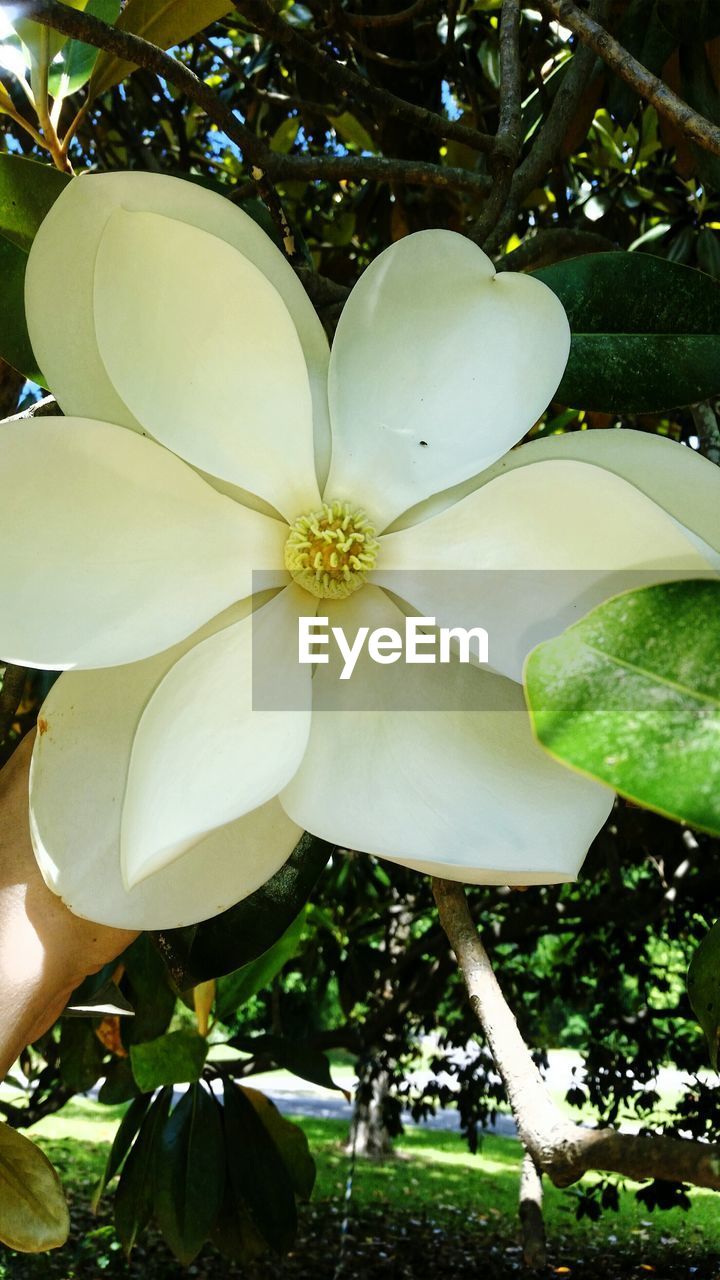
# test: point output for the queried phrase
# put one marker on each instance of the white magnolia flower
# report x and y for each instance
(201, 402)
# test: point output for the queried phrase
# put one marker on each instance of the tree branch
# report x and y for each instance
(694, 126)
(562, 1150)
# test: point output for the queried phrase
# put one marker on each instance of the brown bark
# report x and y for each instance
(561, 1149)
(532, 1223)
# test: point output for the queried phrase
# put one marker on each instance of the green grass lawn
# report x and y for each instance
(433, 1174)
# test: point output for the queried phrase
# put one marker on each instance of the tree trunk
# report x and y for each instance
(369, 1135)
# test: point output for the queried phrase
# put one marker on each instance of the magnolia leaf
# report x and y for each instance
(174, 1058)
(703, 986)
(27, 191)
(33, 1212)
(134, 1196)
(72, 68)
(290, 1141)
(304, 1061)
(250, 929)
(162, 22)
(258, 1177)
(644, 332)
(128, 1130)
(14, 341)
(190, 1173)
(631, 696)
(237, 988)
(81, 1055)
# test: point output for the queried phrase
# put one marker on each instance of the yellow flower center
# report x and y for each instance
(330, 552)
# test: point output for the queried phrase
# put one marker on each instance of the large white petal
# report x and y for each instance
(113, 548)
(203, 754)
(465, 794)
(438, 366)
(203, 350)
(60, 276)
(530, 553)
(77, 783)
(677, 478)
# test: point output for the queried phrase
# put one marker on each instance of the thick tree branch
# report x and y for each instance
(694, 126)
(509, 134)
(552, 244)
(562, 1150)
(532, 1223)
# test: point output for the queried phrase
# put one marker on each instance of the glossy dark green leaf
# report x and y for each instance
(631, 696)
(81, 1055)
(28, 190)
(290, 1141)
(244, 932)
(73, 68)
(119, 1084)
(149, 992)
(134, 1196)
(126, 1133)
(234, 990)
(257, 1174)
(175, 1058)
(643, 33)
(304, 1061)
(645, 332)
(14, 341)
(703, 986)
(190, 1173)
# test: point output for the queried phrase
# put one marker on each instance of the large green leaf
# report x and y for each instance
(258, 1177)
(290, 1141)
(237, 988)
(134, 1196)
(14, 341)
(703, 984)
(631, 696)
(127, 1131)
(28, 190)
(73, 68)
(33, 1212)
(645, 332)
(244, 932)
(294, 1055)
(162, 22)
(190, 1173)
(175, 1058)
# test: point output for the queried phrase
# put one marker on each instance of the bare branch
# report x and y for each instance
(509, 134)
(694, 126)
(562, 1150)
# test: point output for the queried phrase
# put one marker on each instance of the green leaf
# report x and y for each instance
(352, 132)
(28, 190)
(290, 1141)
(81, 1055)
(304, 1061)
(134, 1196)
(73, 68)
(257, 1174)
(248, 930)
(128, 1129)
(703, 986)
(190, 1173)
(162, 22)
(150, 993)
(631, 696)
(33, 1212)
(119, 1084)
(174, 1058)
(14, 340)
(644, 332)
(237, 988)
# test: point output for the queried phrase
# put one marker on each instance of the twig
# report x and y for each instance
(694, 126)
(509, 133)
(562, 1150)
(384, 20)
